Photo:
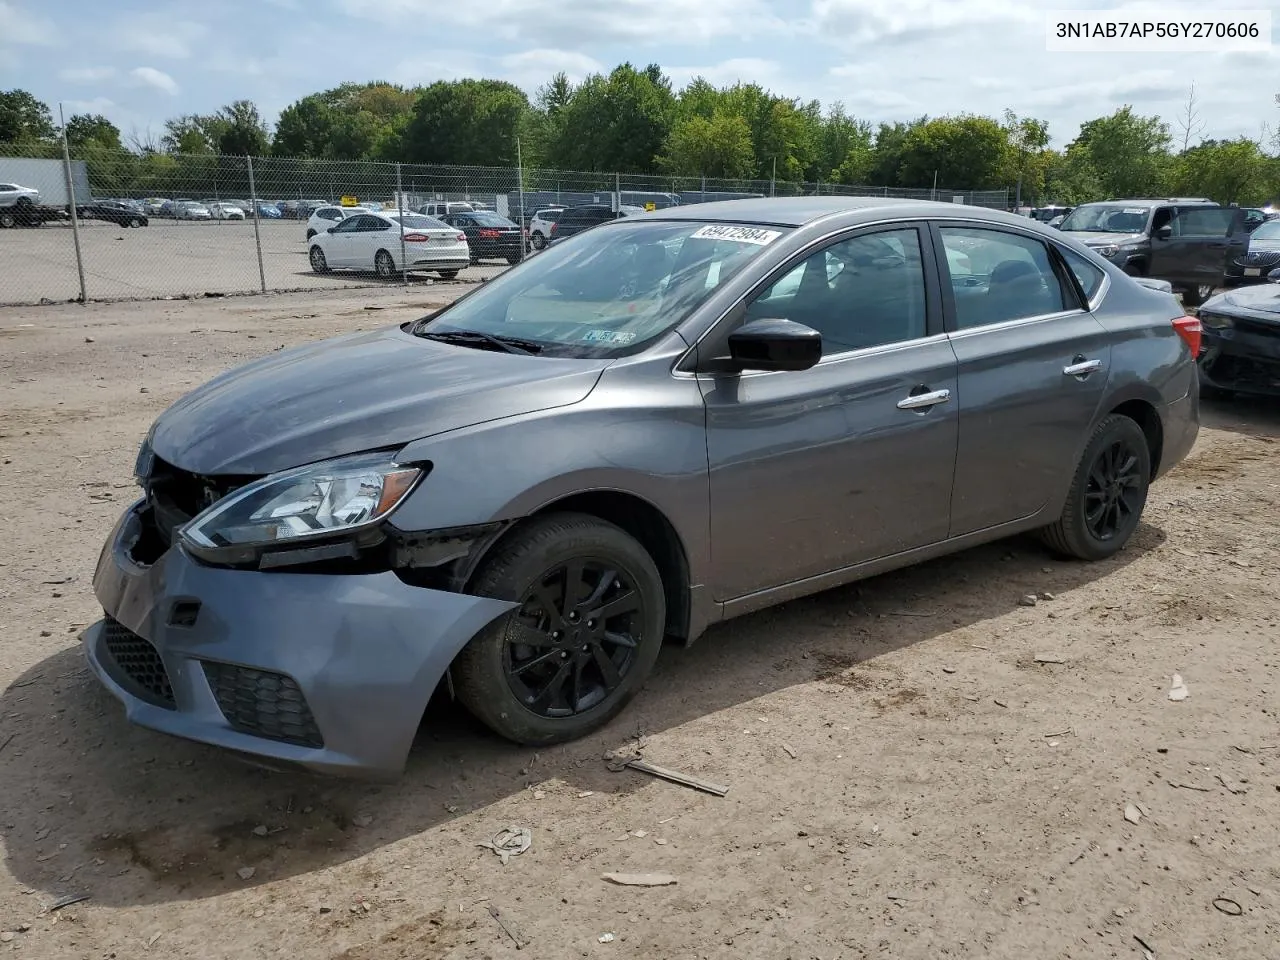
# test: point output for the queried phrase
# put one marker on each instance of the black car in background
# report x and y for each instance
(1261, 257)
(576, 219)
(490, 235)
(1240, 341)
(113, 211)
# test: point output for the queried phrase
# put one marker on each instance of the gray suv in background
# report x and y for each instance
(1186, 241)
(677, 419)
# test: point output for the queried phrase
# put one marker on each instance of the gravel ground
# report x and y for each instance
(918, 766)
(173, 258)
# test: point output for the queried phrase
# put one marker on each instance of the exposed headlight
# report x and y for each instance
(1216, 321)
(308, 503)
(1109, 251)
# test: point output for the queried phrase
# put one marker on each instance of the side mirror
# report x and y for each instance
(1274, 275)
(775, 345)
(1165, 232)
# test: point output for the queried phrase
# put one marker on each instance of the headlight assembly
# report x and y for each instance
(1216, 321)
(1109, 251)
(299, 506)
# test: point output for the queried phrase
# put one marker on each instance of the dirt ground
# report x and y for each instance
(906, 779)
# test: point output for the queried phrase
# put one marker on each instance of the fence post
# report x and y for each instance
(520, 186)
(257, 232)
(71, 204)
(404, 259)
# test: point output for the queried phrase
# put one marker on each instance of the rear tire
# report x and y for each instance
(8, 221)
(507, 675)
(383, 265)
(1107, 494)
(318, 262)
(538, 241)
(310, 234)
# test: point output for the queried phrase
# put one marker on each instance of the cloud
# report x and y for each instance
(728, 72)
(571, 23)
(101, 105)
(87, 74)
(901, 22)
(157, 79)
(19, 27)
(175, 40)
(530, 69)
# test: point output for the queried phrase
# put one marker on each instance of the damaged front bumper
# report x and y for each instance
(329, 672)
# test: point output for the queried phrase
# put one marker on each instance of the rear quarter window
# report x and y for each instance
(1089, 275)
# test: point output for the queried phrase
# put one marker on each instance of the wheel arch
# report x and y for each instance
(640, 519)
(1145, 414)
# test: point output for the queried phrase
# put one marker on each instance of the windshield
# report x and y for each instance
(608, 292)
(1267, 231)
(1106, 218)
(416, 221)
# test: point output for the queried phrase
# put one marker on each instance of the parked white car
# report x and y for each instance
(324, 218)
(441, 208)
(372, 241)
(12, 193)
(540, 226)
(220, 210)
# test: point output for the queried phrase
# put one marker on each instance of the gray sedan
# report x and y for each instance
(661, 423)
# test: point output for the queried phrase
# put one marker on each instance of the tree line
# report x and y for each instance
(634, 121)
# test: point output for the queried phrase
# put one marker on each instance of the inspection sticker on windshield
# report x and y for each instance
(608, 336)
(737, 234)
(1137, 210)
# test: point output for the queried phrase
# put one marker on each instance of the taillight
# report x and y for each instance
(461, 237)
(553, 228)
(490, 233)
(416, 238)
(1189, 329)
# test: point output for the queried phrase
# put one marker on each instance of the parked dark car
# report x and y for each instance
(1255, 217)
(113, 211)
(674, 420)
(490, 235)
(1260, 257)
(1240, 351)
(1188, 242)
(574, 220)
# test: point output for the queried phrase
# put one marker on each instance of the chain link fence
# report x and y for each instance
(112, 225)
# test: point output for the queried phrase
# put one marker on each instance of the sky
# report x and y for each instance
(139, 62)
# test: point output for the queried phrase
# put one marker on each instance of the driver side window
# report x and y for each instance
(349, 225)
(863, 292)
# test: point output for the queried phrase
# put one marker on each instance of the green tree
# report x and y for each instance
(1070, 177)
(886, 159)
(193, 133)
(23, 118)
(964, 151)
(1228, 171)
(618, 122)
(466, 122)
(1026, 160)
(92, 129)
(716, 147)
(1128, 153)
(353, 121)
(847, 147)
(243, 133)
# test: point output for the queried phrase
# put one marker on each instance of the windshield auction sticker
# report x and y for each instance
(737, 234)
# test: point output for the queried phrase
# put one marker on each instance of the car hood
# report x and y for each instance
(1103, 239)
(353, 393)
(1264, 298)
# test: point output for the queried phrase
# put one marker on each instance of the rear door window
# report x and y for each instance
(1204, 222)
(997, 277)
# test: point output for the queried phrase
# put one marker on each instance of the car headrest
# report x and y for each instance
(1007, 271)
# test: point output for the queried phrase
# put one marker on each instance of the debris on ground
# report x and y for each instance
(260, 830)
(1178, 690)
(1027, 601)
(1228, 906)
(245, 873)
(362, 821)
(1050, 658)
(67, 901)
(506, 926)
(509, 842)
(634, 762)
(640, 879)
(1132, 813)
(789, 750)
(7, 936)
(1046, 595)
(606, 938)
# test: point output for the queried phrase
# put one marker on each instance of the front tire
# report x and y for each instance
(1107, 495)
(448, 274)
(581, 644)
(7, 220)
(318, 262)
(512, 261)
(1194, 296)
(383, 265)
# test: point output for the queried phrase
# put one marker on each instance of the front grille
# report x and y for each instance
(263, 704)
(1259, 258)
(1243, 372)
(136, 665)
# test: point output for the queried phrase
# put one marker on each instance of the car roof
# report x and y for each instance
(1152, 201)
(798, 211)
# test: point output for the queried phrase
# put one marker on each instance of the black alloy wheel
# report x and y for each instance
(574, 639)
(587, 623)
(1115, 490)
(318, 262)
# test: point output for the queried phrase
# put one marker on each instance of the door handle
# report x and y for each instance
(923, 401)
(1082, 368)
